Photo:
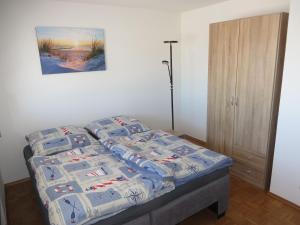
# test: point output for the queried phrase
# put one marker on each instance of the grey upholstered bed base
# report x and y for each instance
(214, 195)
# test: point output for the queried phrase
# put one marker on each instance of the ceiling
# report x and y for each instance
(170, 5)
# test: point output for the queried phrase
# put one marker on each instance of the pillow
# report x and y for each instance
(54, 133)
(117, 126)
(57, 144)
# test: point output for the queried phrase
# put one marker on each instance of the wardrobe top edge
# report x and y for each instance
(249, 17)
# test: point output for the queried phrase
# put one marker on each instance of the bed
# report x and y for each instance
(209, 189)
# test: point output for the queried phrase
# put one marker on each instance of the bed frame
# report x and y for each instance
(213, 195)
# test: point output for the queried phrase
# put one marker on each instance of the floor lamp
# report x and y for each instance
(170, 70)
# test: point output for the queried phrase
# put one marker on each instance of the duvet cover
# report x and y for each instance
(85, 185)
(164, 154)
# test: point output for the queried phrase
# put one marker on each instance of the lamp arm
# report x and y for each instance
(171, 80)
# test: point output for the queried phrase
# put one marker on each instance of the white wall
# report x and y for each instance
(135, 83)
(194, 55)
(286, 165)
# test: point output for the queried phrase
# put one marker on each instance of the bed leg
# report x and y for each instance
(221, 215)
(215, 208)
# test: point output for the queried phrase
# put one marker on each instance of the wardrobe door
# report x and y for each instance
(258, 42)
(223, 50)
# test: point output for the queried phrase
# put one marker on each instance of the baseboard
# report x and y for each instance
(194, 140)
(11, 184)
(284, 201)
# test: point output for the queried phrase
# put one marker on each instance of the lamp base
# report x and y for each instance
(175, 133)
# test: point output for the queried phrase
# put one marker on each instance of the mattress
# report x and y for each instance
(137, 211)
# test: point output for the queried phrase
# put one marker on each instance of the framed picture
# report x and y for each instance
(69, 50)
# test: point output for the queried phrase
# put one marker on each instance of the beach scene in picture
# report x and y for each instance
(69, 50)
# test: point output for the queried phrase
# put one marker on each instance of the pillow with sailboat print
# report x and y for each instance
(54, 145)
(56, 132)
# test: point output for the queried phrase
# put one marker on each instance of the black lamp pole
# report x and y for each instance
(170, 69)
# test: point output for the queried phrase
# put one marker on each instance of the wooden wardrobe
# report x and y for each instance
(246, 59)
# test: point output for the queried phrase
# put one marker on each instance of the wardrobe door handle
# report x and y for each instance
(232, 100)
(237, 101)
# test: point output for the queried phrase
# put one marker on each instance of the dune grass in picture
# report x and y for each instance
(69, 50)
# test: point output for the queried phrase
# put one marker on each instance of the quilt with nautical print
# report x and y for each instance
(85, 185)
(166, 155)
